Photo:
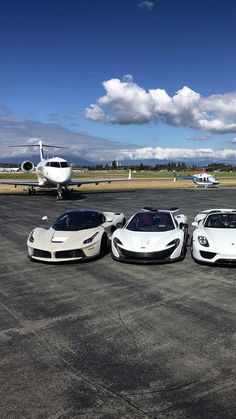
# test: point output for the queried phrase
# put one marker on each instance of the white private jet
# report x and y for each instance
(53, 172)
(201, 180)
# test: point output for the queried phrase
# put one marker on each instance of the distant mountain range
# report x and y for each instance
(151, 162)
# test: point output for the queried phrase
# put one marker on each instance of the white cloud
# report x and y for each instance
(80, 145)
(15, 132)
(71, 116)
(146, 4)
(160, 153)
(127, 78)
(198, 138)
(127, 103)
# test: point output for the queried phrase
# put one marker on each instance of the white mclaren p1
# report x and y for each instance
(75, 235)
(151, 236)
(214, 237)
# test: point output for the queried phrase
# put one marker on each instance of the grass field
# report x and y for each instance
(140, 180)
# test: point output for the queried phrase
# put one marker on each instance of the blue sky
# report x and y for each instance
(120, 78)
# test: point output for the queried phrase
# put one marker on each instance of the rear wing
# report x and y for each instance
(150, 209)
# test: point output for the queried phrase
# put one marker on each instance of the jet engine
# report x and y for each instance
(27, 166)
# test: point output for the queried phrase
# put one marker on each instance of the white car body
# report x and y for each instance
(63, 242)
(214, 237)
(159, 242)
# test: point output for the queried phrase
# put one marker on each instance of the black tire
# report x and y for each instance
(191, 247)
(103, 247)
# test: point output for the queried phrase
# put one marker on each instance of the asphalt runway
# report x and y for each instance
(104, 339)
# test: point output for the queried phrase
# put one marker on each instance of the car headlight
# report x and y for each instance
(117, 241)
(87, 241)
(203, 241)
(174, 242)
(31, 237)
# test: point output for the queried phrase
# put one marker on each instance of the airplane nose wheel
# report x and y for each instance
(62, 193)
(59, 195)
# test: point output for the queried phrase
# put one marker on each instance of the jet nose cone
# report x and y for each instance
(61, 176)
(64, 177)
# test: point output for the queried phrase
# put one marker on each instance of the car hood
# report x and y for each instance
(146, 241)
(222, 239)
(57, 240)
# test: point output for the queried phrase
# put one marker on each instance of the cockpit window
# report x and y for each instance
(77, 220)
(64, 164)
(55, 164)
(221, 220)
(151, 221)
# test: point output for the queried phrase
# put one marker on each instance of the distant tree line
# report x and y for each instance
(170, 166)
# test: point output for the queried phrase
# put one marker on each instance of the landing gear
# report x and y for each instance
(62, 193)
(31, 190)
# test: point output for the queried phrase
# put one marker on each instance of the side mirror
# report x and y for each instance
(195, 224)
(108, 220)
(45, 218)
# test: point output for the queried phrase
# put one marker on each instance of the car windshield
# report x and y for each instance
(77, 220)
(221, 220)
(151, 221)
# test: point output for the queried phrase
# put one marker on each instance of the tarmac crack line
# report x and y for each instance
(168, 390)
(114, 393)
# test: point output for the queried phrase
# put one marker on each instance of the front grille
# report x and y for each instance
(207, 255)
(162, 255)
(69, 254)
(226, 261)
(42, 253)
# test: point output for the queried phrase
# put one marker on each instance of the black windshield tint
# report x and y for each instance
(221, 221)
(64, 164)
(151, 221)
(77, 220)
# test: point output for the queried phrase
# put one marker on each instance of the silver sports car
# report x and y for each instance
(75, 235)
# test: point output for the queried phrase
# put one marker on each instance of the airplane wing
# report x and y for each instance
(19, 183)
(70, 183)
(97, 181)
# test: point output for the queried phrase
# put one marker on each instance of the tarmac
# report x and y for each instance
(103, 339)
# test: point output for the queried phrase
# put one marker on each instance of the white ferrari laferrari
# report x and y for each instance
(214, 237)
(151, 236)
(75, 235)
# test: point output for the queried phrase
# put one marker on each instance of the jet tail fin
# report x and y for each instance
(40, 145)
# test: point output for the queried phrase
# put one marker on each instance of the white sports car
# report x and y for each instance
(151, 236)
(214, 237)
(75, 235)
